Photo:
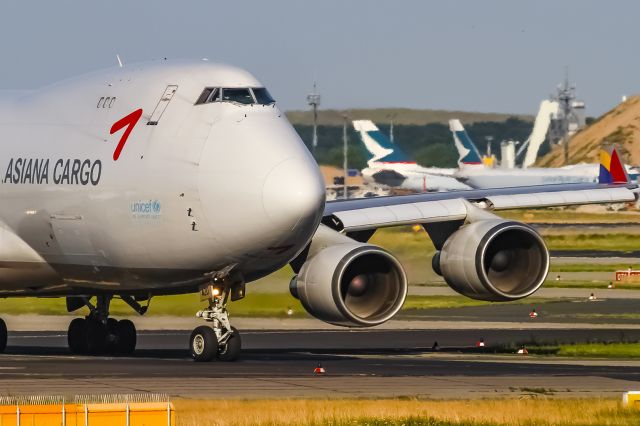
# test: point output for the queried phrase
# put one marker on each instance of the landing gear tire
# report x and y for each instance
(3, 336)
(97, 337)
(112, 335)
(203, 344)
(230, 351)
(126, 337)
(77, 336)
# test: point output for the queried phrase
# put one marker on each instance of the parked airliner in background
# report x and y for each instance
(180, 177)
(498, 177)
(390, 166)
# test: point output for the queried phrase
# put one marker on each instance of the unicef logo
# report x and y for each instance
(146, 209)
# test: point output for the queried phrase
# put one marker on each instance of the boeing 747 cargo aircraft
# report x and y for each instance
(182, 177)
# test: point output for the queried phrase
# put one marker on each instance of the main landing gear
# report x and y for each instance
(220, 340)
(98, 334)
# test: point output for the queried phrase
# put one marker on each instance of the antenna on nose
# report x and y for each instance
(119, 61)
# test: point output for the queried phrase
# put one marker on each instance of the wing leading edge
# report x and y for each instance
(372, 213)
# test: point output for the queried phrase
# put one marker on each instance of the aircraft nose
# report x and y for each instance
(293, 194)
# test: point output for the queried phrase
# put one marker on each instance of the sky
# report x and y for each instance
(489, 56)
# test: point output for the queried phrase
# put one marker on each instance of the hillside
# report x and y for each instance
(621, 126)
(403, 116)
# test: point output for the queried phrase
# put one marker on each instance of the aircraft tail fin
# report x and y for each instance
(612, 170)
(379, 146)
(467, 151)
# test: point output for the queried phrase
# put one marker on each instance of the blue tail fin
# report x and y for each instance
(467, 151)
(379, 146)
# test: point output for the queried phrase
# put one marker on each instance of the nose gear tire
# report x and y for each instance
(203, 344)
(230, 351)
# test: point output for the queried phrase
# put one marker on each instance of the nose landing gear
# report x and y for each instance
(220, 340)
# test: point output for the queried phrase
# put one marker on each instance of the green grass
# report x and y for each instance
(570, 216)
(617, 242)
(592, 284)
(438, 302)
(592, 267)
(612, 350)
(405, 243)
(609, 316)
(253, 305)
(587, 350)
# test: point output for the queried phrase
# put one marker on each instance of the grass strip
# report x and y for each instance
(592, 284)
(592, 267)
(570, 216)
(614, 241)
(537, 408)
(253, 305)
(613, 350)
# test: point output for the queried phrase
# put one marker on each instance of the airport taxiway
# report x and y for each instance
(364, 363)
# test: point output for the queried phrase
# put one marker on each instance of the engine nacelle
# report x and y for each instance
(494, 260)
(352, 284)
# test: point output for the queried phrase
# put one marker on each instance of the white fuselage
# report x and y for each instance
(482, 177)
(208, 187)
(413, 177)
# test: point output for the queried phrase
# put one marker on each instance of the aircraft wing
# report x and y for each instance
(371, 213)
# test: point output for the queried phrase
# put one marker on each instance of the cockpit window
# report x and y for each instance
(215, 96)
(210, 94)
(262, 96)
(242, 96)
(204, 96)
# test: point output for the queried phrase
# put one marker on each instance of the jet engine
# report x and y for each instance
(351, 284)
(493, 260)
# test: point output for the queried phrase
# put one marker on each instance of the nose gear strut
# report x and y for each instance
(219, 339)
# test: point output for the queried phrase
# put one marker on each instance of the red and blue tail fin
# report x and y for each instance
(612, 170)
